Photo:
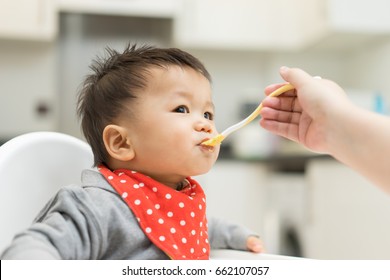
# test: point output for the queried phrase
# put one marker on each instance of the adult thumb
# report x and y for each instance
(294, 76)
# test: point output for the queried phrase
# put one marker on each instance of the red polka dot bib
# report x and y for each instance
(175, 221)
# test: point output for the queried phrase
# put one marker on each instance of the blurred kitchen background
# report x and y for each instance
(302, 204)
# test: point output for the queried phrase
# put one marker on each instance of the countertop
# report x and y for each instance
(278, 162)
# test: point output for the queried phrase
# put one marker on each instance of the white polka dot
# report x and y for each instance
(157, 206)
(149, 211)
(135, 186)
(125, 194)
(162, 238)
(110, 177)
(200, 206)
(207, 241)
(192, 214)
(123, 181)
(133, 172)
(201, 224)
(193, 232)
(154, 189)
(193, 194)
(192, 250)
(204, 250)
(160, 221)
(120, 173)
(175, 246)
(168, 196)
(141, 185)
(170, 214)
(181, 205)
(148, 230)
(182, 223)
(173, 230)
(184, 240)
(137, 202)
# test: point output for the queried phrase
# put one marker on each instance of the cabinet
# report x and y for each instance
(347, 24)
(280, 25)
(246, 24)
(28, 90)
(140, 8)
(249, 193)
(235, 191)
(28, 19)
(361, 16)
(348, 217)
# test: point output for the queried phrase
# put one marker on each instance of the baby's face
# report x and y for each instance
(173, 116)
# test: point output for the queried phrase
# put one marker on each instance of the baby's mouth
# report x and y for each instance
(206, 147)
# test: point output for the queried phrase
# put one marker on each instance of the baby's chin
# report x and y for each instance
(202, 170)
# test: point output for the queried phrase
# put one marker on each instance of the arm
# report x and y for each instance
(62, 230)
(319, 115)
(361, 141)
(84, 223)
(226, 235)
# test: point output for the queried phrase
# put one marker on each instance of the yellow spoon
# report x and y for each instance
(220, 137)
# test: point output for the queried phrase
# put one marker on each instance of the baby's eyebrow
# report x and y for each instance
(183, 94)
(211, 104)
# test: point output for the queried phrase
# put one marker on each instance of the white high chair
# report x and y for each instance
(35, 165)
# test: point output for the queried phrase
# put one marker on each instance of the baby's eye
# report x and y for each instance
(209, 116)
(182, 109)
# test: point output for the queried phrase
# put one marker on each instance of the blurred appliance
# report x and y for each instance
(252, 142)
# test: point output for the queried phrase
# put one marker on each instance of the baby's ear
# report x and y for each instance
(117, 143)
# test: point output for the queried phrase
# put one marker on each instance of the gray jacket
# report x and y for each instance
(93, 222)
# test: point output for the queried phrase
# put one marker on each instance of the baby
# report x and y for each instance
(145, 113)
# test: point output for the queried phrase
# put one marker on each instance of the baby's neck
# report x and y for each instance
(182, 185)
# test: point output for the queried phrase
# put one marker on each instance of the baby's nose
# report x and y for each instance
(204, 126)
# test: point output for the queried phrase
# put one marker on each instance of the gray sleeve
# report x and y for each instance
(65, 229)
(227, 235)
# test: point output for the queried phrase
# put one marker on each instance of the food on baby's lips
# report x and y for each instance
(214, 141)
(207, 148)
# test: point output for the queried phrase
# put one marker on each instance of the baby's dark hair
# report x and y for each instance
(118, 78)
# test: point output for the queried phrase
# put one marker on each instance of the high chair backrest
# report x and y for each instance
(33, 167)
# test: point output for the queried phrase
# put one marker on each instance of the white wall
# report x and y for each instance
(368, 67)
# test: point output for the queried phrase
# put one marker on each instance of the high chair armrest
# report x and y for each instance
(227, 254)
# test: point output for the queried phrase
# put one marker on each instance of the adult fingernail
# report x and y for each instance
(284, 68)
